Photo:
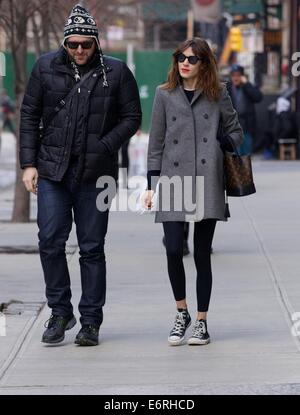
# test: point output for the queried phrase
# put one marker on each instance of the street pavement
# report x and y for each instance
(7, 159)
(256, 295)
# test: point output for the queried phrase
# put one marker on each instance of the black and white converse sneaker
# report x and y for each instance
(200, 334)
(182, 322)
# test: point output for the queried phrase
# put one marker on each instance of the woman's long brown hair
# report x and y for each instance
(208, 77)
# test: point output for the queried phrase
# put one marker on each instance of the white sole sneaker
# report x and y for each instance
(193, 341)
(177, 342)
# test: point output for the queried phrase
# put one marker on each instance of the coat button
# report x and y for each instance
(175, 141)
(205, 140)
(203, 161)
(205, 116)
(176, 164)
(174, 118)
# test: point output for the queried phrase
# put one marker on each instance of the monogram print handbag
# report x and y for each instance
(238, 174)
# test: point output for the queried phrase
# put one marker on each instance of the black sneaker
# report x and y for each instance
(200, 334)
(56, 327)
(182, 322)
(88, 335)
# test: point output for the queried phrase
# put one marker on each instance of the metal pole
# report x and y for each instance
(130, 57)
(156, 35)
(2, 57)
(297, 34)
(295, 44)
(190, 24)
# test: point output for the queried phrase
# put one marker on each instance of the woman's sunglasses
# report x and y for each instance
(75, 45)
(181, 57)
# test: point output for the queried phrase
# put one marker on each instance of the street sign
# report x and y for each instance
(243, 6)
(273, 37)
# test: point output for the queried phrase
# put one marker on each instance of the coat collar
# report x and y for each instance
(197, 94)
(61, 63)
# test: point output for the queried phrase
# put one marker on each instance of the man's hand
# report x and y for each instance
(30, 177)
(244, 80)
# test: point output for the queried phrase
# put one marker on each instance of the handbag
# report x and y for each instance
(238, 176)
(238, 173)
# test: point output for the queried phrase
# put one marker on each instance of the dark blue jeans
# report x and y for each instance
(57, 202)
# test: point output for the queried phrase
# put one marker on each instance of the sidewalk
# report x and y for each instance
(256, 290)
(7, 159)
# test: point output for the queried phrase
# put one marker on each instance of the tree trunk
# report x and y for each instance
(21, 208)
(46, 28)
(37, 44)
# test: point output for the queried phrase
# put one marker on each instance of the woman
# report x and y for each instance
(183, 143)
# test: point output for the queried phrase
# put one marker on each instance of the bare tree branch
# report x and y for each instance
(36, 34)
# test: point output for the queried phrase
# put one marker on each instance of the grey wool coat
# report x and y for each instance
(183, 146)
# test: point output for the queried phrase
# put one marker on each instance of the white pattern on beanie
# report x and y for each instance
(81, 23)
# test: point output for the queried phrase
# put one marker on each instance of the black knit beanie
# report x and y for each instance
(81, 23)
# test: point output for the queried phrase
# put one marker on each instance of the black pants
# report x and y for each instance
(203, 236)
(57, 203)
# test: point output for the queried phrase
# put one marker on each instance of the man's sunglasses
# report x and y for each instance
(181, 57)
(75, 45)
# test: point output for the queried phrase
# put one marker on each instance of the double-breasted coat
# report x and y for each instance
(183, 143)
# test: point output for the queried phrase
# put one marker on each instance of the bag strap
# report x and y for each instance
(232, 142)
(63, 101)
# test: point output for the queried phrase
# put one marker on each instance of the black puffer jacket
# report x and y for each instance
(110, 117)
(252, 96)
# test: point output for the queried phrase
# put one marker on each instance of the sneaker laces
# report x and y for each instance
(199, 328)
(89, 328)
(51, 322)
(180, 324)
(54, 321)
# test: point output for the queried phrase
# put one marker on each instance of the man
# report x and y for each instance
(82, 134)
(244, 95)
(284, 125)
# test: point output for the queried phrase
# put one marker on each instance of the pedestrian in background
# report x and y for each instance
(79, 144)
(125, 163)
(244, 96)
(8, 111)
(284, 125)
(183, 142)
(138, 153)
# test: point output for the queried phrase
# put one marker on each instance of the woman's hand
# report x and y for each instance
(147, 199)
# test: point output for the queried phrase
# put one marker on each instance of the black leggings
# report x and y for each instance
(203, 236)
